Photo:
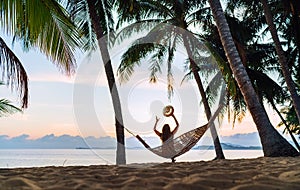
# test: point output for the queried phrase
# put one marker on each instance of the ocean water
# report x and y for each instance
(15, 158)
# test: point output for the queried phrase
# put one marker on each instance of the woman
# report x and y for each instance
(167, 148)
(166, 131)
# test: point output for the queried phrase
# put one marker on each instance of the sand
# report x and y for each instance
(239, 174)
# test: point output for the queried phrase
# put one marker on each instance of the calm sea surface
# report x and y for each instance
(12, 158)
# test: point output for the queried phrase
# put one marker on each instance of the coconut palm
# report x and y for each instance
(265, 87)
(272, 142)
(42, 25)
(94, 18)
(257, 58)
(282, 58)
(179, 14)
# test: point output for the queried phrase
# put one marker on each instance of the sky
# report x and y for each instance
(81, 104)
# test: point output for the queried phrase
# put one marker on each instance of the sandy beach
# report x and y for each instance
(259, 173)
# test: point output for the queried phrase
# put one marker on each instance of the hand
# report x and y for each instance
(157, 119)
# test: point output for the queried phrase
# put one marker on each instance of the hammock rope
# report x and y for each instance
(173, 148)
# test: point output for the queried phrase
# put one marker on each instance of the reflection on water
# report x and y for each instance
(12, 158)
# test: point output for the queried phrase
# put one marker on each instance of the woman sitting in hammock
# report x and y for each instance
(166, 131)
(168, 148)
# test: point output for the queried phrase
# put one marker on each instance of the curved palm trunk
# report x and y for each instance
(282, 59)
(120, 158)
(217, 144)
(294, 4)
(272, 142)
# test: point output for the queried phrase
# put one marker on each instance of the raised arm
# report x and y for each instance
(154, 128)
(177, 125)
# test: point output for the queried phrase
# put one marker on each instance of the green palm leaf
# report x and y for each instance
(44, 25)
(7, 108)
(13, 72)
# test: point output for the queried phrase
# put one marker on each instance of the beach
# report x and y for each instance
(258, 173)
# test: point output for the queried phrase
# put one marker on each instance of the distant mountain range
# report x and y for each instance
(225, 146)
(234, 142)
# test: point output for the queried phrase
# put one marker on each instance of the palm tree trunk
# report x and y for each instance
(120, 157)
(217, 144)
(286, 125)
(272, 142)
(282, 59)
(296, 23)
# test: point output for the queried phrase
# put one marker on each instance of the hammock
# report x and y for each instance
(173, 148)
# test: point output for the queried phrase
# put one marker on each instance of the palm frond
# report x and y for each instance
(7, 108)
(132, 57)
(291, 119)
(267, 87)
(213, 88)
(224, 68)
(201, 16)
(239, 109)
(134, 11)
(170, 79)
(79, 13)
(13, 72)
(188, 76)
(135, 29)
(44, 25)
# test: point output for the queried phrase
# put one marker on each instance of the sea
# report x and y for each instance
(20, 158)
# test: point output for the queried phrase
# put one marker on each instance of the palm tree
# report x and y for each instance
(273, 143)
(94, 18)
(282, 59)
(257, 58)
(181, 15)
(36, 24)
